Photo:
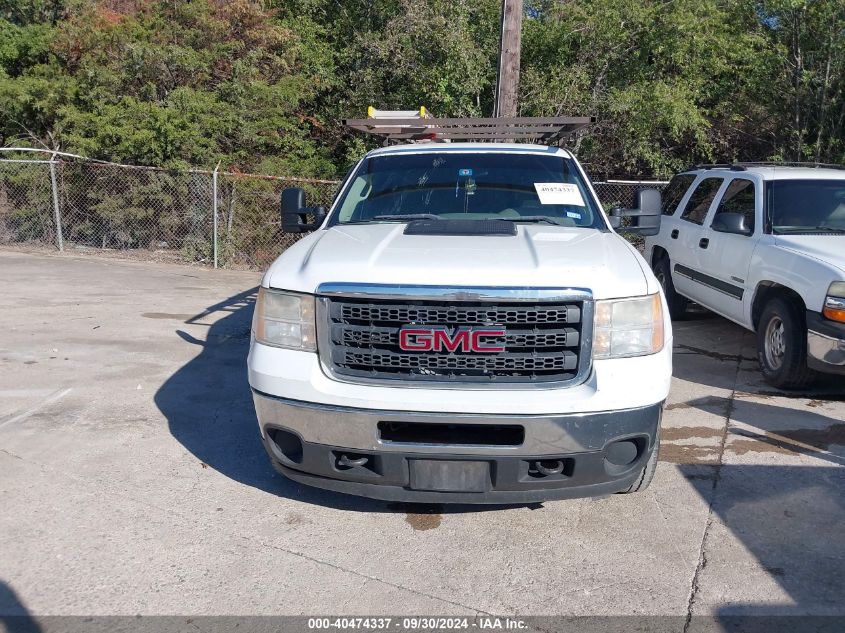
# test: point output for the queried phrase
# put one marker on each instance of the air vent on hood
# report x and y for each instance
(460, 227)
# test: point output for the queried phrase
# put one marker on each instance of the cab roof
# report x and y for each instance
(486, 147)
(774, 171)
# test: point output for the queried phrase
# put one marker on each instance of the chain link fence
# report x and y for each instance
(225, 219)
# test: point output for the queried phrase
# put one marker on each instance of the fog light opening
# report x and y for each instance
(623, 452)
(288, 444)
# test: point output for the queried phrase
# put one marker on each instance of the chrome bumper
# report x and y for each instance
(825, 344)
(544, 434)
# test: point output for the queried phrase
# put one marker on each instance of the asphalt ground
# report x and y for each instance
(133, 481)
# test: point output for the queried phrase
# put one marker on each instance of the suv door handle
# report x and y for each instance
(703, 242)
(674, 234)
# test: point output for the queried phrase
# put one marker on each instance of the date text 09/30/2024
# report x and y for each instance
(416, 623)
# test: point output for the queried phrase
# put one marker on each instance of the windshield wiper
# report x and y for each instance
(408, 216)
(534, 218)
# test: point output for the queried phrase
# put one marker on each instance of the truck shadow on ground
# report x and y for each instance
(208, 406)
(788, 516)
(14, 616)
(757, 429)
(789, 519)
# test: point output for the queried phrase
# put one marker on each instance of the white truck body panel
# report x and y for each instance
(540, 255)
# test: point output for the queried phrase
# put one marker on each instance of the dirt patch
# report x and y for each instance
(420, 516)
(675, 433)
(688, 454)
(711, 404)
(790, 441)
(422, 522)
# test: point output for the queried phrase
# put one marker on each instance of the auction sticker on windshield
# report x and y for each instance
(559, 193)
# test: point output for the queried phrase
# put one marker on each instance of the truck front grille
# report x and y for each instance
(543, 342)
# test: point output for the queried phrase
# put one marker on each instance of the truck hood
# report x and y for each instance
(542, 256)
(829, 249)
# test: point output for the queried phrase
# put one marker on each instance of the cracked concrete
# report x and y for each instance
(702, 555)
(143, 489)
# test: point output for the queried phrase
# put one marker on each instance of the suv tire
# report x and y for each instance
(663, 272)
(782, 345)
(644, 480)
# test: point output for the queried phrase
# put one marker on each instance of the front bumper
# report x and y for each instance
(344, 449)
(825, 344)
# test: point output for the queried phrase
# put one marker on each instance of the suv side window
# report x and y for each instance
(701, 199)
(674, 192)
(739, 198)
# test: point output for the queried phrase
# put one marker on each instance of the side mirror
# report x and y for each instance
(647, 214)
(731, 223)
(295, 213)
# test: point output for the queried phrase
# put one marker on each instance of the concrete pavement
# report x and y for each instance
(132, 480)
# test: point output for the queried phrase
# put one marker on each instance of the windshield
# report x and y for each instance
(468, 185)
(807, 206)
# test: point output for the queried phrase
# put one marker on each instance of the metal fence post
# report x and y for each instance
(57, 213)
(214, 207)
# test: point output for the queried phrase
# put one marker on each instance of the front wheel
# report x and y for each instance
(644, 480)
(663, 273)
(782, 345)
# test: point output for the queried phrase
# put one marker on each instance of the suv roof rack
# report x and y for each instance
(743, 165)
(418, 126)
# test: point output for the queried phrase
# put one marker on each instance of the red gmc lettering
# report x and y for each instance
(415, 340)
(439, 339)
(460, 340)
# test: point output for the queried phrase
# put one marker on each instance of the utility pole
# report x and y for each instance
(507, 73)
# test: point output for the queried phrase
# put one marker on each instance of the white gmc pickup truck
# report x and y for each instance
(463, 325)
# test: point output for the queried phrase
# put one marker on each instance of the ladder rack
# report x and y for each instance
(546, 130)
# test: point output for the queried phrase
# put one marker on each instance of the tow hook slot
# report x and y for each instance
(356, 463)
(549, 467)
(345, 461)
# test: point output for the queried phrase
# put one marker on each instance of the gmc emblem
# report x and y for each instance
(414, 338)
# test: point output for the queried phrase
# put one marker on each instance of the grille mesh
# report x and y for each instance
(454, 315)
(542, 340)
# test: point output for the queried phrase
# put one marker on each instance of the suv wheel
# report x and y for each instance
(663, 273)
(782, 346)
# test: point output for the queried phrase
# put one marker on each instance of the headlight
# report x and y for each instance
(628, 327)
(834, 303)
(285, 319)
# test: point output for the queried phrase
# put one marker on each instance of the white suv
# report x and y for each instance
(463, 325)
(763, 245)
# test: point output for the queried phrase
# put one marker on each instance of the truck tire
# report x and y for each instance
(663, 272)
(644, 480)
(782, 345)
